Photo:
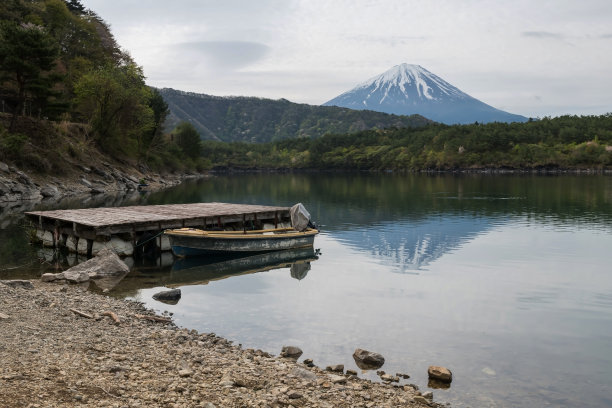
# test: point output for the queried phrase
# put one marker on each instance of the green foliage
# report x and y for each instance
(187, 139)
(115, 101)
(11, 144)
(258, 120)
(564, 142)
(27, 54)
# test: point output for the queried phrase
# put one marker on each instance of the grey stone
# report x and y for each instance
(304, 374)
(338, 379)
(105, 264)
(18, 283)
(4, 167)
(291, 352)
(49, 277)
(168, 296)
(338, 368)
(85, 182)
(49, 191)
(368, 360)
(428, 395)
(3, 316)
(97, 190)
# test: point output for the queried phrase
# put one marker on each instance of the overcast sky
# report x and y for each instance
(535, 58)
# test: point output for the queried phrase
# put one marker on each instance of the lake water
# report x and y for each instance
(505, 280)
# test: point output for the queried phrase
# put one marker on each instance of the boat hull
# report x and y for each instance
(189, 242)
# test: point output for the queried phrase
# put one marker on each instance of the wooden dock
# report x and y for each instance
(133, 222)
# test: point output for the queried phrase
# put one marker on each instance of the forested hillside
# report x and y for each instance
(60, 70)
(248, 119)
(567, 142)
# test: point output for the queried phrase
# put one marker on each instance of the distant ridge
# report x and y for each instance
(256, 120)
(409, 89)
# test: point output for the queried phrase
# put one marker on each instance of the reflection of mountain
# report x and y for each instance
(413, 245)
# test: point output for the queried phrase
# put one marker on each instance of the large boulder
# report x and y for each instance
(438, 373)
(368, 360)
(105, 264)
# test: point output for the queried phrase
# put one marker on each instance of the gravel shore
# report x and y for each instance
(61, 346)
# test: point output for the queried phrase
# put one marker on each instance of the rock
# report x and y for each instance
(3, 316)
(185, 373)
(168, 296)
(104, 265)
(49, 277)
(85, 182)
(402, 375)
(4, 167)
(428, 395)
(304, 374)
(73, 275)
(351, 372)
(49, 191)
(97, 190)
(294, 395)
(368, 360)
(421, 400)
(291, 352)
(338, 379)
(18, 283)
(440, 374)
(389, 378)
(338, 368)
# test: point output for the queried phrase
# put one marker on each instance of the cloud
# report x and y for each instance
(543, 34)
(606, 36)
(228, 55)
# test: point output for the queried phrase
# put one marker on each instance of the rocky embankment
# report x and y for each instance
(17, 186)
(62, 346)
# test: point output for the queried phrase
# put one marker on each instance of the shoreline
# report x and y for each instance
(61, 347)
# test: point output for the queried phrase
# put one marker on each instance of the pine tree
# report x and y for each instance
(27, 54)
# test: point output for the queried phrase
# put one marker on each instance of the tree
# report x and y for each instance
(115, 102)
(75, 6)
(27, 54)
(188, 139)
(153, 138)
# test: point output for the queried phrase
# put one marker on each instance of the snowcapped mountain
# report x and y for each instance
(408, 89)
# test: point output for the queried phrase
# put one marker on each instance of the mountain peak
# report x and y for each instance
(406, 89)
(409, 78)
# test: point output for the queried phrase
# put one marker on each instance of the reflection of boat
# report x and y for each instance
(197, 270)
(190, 241)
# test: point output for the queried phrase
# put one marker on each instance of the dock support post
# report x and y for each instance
(89, 247)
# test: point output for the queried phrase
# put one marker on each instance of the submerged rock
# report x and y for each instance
(368, 360)
(168, 296)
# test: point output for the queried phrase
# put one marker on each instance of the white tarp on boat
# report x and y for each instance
(299, 217)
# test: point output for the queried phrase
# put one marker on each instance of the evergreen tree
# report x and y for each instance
(27, 54)
(188, 139)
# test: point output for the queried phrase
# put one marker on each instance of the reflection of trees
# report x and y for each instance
(340, 201)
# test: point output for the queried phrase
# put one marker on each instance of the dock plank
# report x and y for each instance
(116, 216)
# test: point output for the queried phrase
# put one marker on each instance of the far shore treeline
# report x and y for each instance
(567, 142)
(69, 94)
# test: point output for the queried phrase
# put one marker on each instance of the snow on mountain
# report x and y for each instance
(407, 89)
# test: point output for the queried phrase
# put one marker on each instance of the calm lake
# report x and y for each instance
(505, 280)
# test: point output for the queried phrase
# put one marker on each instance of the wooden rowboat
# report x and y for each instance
(190, 241)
